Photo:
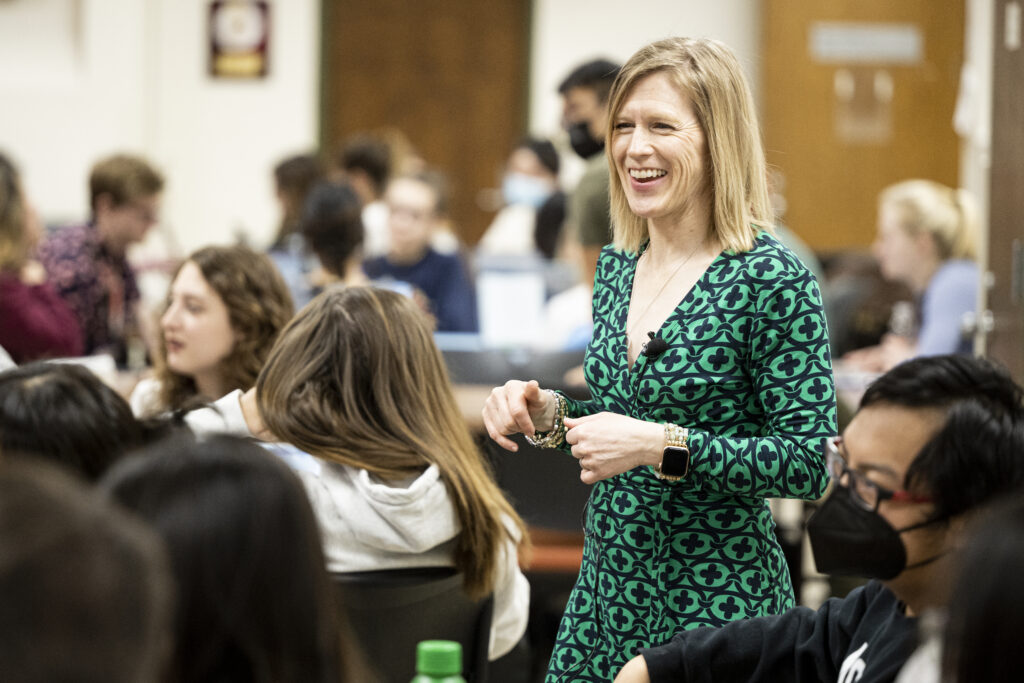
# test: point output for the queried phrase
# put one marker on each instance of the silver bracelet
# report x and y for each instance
(556, 436)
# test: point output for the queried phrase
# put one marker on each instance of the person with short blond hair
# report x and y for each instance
(708, 369)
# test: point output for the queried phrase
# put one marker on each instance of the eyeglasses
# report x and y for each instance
(864, 492)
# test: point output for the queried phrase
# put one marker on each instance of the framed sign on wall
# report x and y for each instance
(239, 37)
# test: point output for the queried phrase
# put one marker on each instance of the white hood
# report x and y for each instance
(369, 524)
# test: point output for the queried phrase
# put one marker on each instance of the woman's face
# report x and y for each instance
(196, 326)
(897, 251)
(659, 150)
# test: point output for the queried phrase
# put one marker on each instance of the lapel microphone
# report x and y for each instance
(654, 348)
(650, 350)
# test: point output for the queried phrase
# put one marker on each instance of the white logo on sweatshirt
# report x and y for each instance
(853, 666)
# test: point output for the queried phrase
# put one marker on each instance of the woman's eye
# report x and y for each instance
(662, 126)
(623, 125)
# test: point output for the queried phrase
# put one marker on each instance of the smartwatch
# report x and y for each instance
(675, 458)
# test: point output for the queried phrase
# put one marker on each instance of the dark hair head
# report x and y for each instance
(87, 592)
(125, 179)
(294, 177)
(978, 453)
(369, 154)
(65, 413)
(986, 610)
(597, 75)
(332, 225)
(259, 304)
(544, 151)
(255, 601)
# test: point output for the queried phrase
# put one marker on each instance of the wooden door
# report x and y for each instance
(1006, 200)
(839, 124)
(450, 74)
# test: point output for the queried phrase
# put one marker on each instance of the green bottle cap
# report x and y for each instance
(439, 658)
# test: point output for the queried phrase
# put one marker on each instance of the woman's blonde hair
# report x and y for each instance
(14, 248)
(708, 73)
(356, 379)
(259, 305)
(950, 216)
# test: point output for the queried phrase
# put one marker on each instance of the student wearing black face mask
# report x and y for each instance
(934, 440)
(584, 112)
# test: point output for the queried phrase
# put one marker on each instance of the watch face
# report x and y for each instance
(675, 461)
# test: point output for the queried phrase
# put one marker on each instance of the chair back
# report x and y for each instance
(389, 611)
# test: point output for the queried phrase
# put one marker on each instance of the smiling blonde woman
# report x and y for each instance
(709, 373)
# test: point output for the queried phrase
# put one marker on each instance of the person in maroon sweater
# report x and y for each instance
(34, 322)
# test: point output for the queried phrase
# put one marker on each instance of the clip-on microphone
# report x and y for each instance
(654, 348)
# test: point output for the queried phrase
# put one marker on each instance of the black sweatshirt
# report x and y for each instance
(863, 638)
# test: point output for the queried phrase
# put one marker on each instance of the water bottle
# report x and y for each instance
(438, 661)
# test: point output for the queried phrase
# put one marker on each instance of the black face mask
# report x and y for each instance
(848, 540)
(582, 142)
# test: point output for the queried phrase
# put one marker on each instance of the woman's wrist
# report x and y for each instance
(545, 422)
(656, 440)
(555, 435)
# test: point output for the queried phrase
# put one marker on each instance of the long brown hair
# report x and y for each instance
(259, 304)
(356, 379)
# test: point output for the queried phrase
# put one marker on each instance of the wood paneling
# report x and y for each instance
(450, 74)
(1006, 201)
(831, 183)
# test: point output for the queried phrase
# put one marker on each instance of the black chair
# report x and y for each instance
(389, 611)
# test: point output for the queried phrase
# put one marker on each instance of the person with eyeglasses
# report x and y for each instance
(934, 440)
(88, 264)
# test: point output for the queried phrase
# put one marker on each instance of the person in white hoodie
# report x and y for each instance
(358, 389)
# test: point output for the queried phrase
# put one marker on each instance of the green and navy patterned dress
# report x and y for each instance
(748, 372)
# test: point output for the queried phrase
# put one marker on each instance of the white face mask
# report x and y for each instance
(519, 188)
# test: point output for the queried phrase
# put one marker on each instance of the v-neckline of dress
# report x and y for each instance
(624, 309)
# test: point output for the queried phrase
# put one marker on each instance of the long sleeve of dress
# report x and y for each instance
(747, 371)
(787, 356)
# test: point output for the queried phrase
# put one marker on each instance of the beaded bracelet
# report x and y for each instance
(554, 437)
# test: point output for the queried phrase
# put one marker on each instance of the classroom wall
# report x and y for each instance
(80, 79)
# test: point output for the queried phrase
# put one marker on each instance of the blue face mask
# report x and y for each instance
(519, 188)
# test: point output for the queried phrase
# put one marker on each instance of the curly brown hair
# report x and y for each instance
(259, 306)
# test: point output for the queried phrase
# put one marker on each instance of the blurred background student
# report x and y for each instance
(294, 177)
(531, 220)
(34, 321)
(365, 163)
(88, 263)
(417, 210)
(927, 240)
(333, 227)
